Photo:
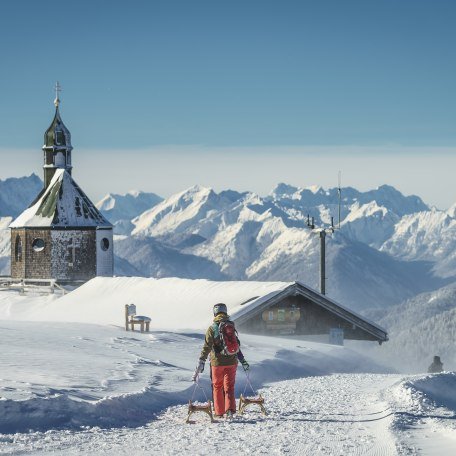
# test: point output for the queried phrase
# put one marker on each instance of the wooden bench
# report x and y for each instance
(131, 319)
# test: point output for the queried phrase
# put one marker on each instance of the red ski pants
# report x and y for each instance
(223, 379)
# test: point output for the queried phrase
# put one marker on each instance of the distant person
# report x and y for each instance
(436, 366)
(223, 344)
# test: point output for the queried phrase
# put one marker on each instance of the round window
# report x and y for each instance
(104, 244)
(38, 244)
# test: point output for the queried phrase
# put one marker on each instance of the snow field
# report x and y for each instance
(67, 375)
(71, 387)
(89, 389)
(341, 414)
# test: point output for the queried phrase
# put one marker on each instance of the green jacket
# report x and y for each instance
(217, 359)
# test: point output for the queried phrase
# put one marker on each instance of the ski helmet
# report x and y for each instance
(220, 308)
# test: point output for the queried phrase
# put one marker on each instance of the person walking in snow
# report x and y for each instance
(222, 343)
(436, 366)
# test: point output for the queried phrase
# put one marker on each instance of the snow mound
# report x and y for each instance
(437, 389)
(171, 303)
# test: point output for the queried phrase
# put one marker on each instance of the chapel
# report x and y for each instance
(61, 235)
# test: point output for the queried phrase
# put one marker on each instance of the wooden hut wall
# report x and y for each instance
(297, 315)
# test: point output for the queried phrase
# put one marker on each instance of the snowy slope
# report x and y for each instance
(357, 275)
(121, 209)
(179, 211)
(152, 258)
(369, 223)
(452, 211)
(78, 388)
(18, 193)
(429, 235)
(171, 303)
(5, 245)
(420, 328)
(5, 236)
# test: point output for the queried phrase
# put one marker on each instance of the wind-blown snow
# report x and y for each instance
(171, 303)
(420, 328)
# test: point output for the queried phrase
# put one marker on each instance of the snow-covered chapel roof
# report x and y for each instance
(61, 204)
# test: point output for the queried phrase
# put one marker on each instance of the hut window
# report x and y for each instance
(281, 315)
(18, 248)
(38, 245)
(104, 244)
(271, 315)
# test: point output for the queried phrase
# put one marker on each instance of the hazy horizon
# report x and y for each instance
(425, 172)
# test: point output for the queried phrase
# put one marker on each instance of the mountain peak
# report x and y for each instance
(282, 189)
(452, 211)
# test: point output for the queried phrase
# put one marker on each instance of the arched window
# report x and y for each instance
(18, 248)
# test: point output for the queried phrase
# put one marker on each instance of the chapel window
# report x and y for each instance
(38, 245)
(18, 248)
(104, 244)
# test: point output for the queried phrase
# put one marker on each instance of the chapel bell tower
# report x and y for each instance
(61, 235)
(57, 144)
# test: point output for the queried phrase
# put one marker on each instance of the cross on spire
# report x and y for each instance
(58, 89)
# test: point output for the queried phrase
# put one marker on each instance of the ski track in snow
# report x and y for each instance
(340, 414)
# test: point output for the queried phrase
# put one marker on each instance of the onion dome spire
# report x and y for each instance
(57, 143)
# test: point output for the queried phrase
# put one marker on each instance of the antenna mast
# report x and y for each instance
(339, 192)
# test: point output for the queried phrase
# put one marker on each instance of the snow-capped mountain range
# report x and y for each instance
(267, 238)
(121, 209)
(389, 247)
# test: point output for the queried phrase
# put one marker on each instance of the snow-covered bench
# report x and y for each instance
(132, 319)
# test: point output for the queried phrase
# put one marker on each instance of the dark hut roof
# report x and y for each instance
(256, 307)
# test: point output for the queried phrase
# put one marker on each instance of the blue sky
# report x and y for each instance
(247, 75)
